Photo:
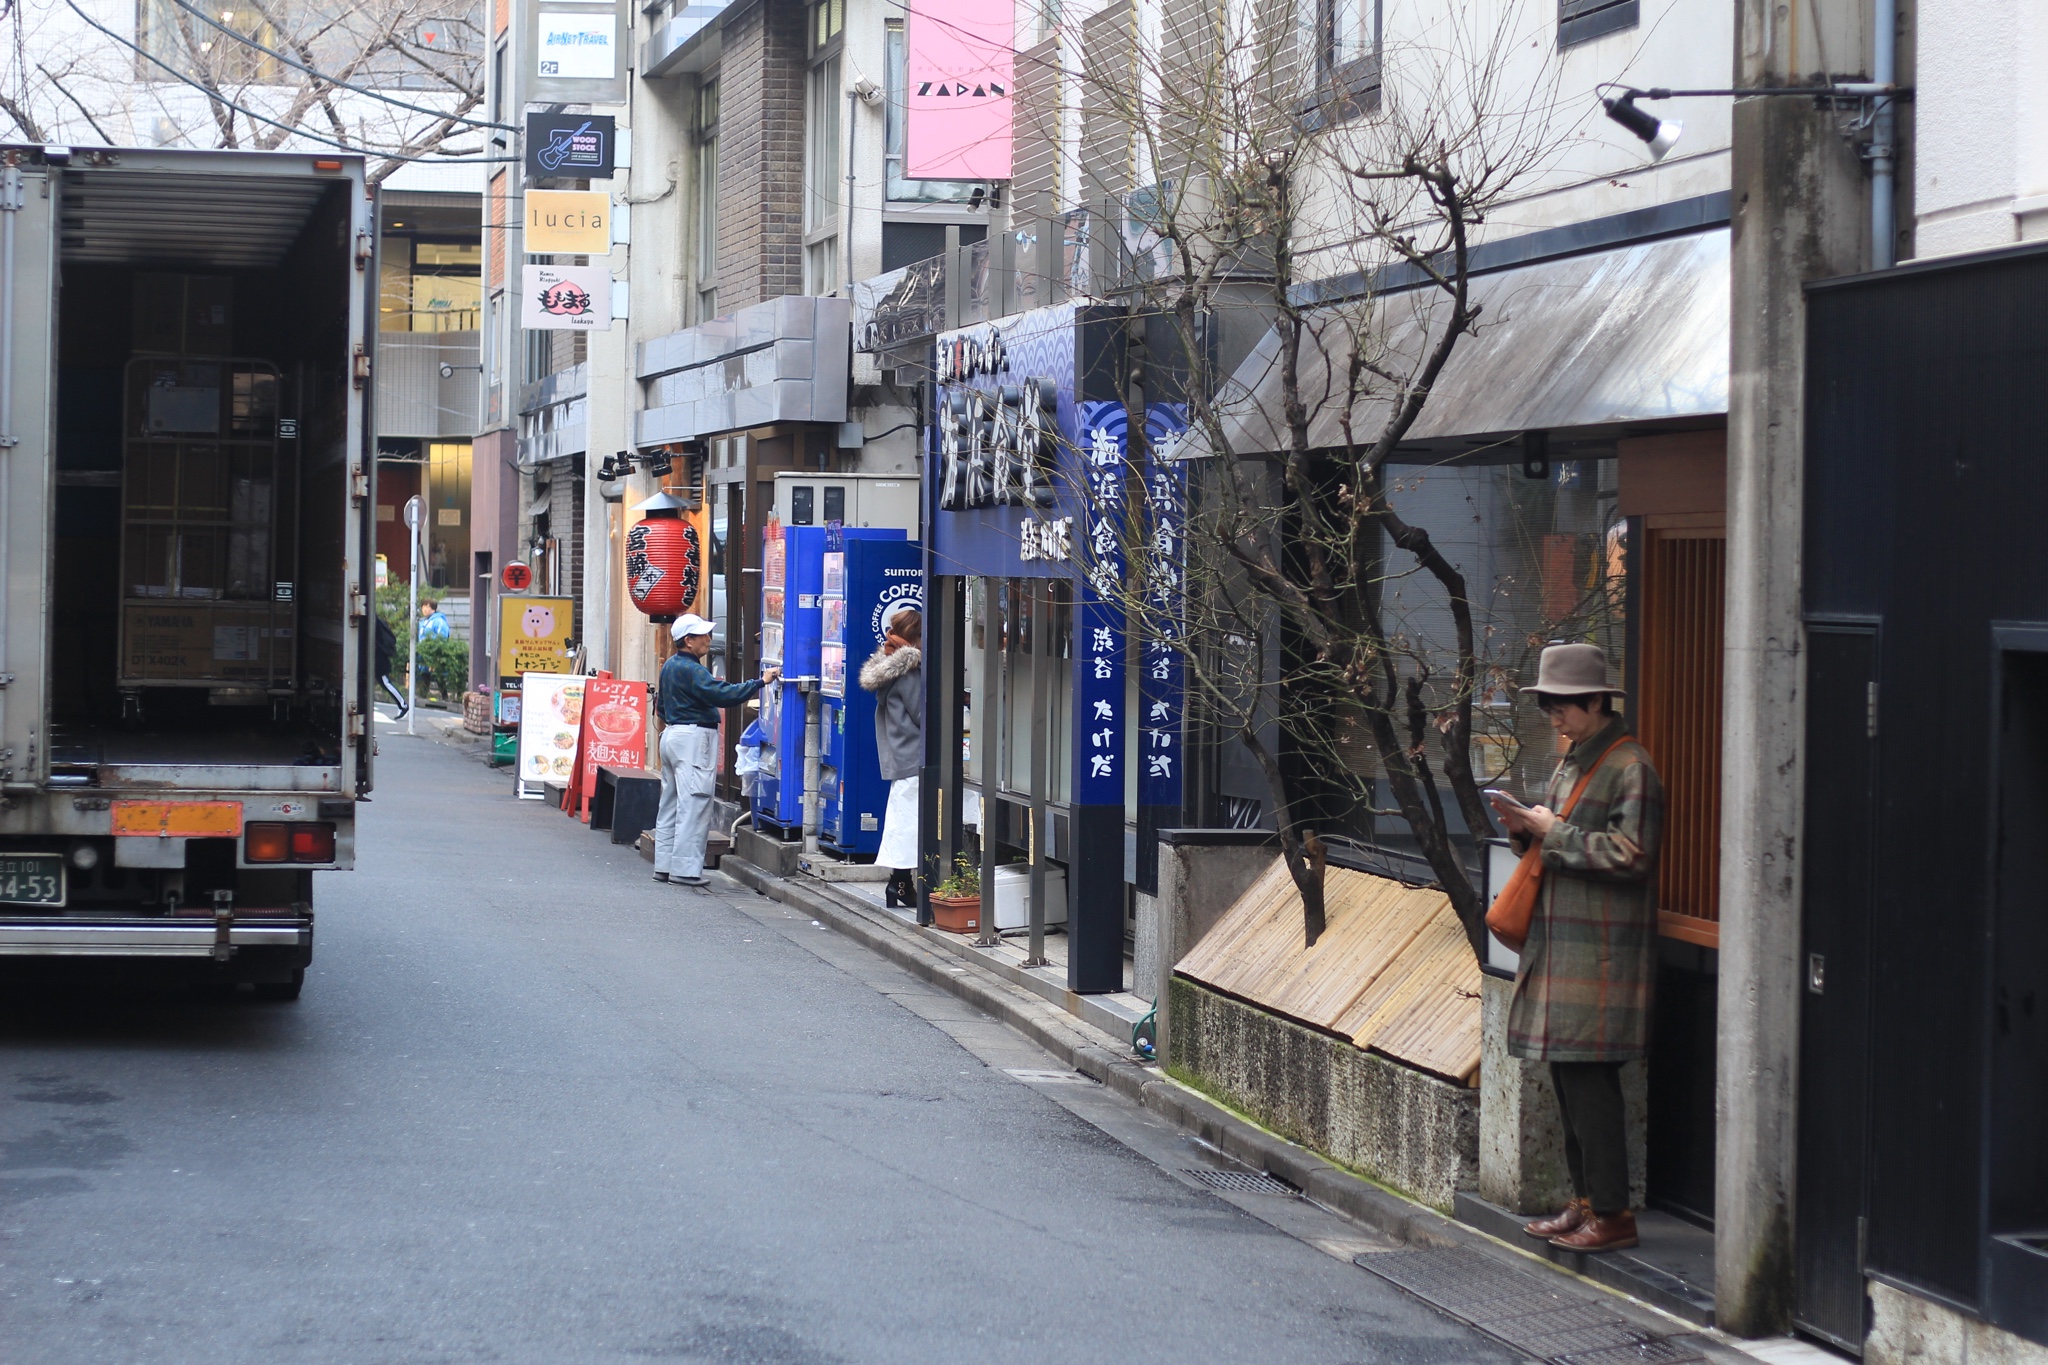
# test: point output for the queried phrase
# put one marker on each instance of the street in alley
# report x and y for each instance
(534, 1106)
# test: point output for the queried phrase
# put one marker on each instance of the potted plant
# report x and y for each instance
(956, 901)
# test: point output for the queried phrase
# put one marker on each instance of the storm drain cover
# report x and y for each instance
(1239, 1182)
(1656, 1351)
(1533, 1313)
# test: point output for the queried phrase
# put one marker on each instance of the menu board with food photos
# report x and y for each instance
(550, 719)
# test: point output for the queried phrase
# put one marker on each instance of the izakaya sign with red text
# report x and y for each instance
(566, 298)
(958, 64)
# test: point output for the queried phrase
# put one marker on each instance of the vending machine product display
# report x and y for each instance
(792, 586)
(865, 582)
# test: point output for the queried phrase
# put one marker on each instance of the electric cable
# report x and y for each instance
(337, 83)
(218, 97)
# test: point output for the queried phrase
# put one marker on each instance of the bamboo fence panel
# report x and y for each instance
(1392, 971)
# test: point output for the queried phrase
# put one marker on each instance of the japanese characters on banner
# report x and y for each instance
(550, 722)
(1099, 758)
(958, 62)
(566, 298)
(1162, 680)
(615, 724)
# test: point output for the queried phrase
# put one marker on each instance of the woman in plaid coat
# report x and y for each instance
(1582, 996)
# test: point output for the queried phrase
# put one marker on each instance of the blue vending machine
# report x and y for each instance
(792, 580)
(869, 576)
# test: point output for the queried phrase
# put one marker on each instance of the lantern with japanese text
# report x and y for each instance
(664, 560)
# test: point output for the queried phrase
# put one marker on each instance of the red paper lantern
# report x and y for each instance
(664, 565)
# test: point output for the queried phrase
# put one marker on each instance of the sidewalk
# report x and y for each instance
(1502, 1288)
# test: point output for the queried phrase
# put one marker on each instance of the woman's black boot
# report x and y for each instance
(901, 891)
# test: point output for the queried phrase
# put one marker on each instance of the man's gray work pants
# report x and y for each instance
(682, 826)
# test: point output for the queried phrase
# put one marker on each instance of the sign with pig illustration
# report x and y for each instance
(533, 635)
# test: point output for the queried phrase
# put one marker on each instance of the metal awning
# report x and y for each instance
(1637, 334)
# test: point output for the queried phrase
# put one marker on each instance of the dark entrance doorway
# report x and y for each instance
(1834, 1025)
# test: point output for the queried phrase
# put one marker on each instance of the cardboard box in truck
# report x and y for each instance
(185, 591)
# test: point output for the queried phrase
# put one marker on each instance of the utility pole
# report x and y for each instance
(1800, 213)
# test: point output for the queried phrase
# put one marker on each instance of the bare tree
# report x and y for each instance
(396, 79)
(1322, 192)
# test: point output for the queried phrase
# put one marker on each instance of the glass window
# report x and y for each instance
(447, 503)
(1351, 30)
(828, 20)
(429, 286)
(707, 184)
(821, 153)
(190, 45)
(895, 117)
(1350, 59)
(1544, 560)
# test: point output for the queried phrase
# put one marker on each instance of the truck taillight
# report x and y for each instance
(266, 843)
(312, 843)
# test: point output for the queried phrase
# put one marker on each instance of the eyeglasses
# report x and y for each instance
(1547, 704)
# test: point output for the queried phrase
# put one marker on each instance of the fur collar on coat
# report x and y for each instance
(882, 669)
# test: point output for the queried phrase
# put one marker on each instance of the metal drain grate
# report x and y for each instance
(1655, 1351)
(1239, 1182)
(1538, 1314)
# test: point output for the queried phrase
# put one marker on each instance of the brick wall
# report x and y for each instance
(761, 155)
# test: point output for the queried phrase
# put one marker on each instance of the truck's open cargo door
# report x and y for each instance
(28, 262)
(363, 479)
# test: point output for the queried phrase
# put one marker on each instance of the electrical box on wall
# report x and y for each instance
(887, 501)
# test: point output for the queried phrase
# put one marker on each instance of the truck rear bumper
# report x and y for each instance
(144, 938)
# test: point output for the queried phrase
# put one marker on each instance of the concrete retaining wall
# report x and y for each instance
(1394, 1124)
(1906, 1329)
(1521, 1137)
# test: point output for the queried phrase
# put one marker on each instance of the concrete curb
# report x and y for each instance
(1098, 1057)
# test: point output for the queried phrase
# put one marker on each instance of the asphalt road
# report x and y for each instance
(535, 1107)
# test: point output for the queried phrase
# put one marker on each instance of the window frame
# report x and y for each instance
(1346, 87)
(1581, 21)
(705, 150)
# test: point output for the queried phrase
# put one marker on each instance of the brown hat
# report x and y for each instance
(1572, 671)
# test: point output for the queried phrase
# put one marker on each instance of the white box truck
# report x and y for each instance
(186, 530)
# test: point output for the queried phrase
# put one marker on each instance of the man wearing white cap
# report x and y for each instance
(690, 700)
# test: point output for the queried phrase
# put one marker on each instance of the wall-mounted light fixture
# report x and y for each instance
(1660, 134)
(1874, 103)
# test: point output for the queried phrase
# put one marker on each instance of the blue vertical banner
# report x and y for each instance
(1101, 727)
(1162, 682)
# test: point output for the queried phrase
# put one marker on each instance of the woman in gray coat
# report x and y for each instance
(895, 674)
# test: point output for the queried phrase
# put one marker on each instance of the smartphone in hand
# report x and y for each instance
(1503, 799)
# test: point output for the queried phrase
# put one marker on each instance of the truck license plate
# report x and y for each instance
(31, 878)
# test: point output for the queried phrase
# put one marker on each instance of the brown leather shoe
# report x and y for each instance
(1615, 1232)
(1567, 1219)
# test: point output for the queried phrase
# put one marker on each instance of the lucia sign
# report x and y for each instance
(570, 222)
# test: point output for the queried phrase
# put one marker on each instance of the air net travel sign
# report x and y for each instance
(576, 57)
(958, 69)
(578, 44)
